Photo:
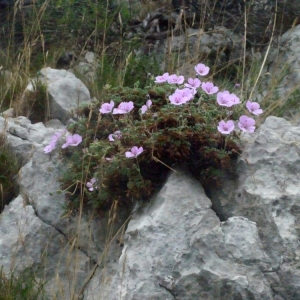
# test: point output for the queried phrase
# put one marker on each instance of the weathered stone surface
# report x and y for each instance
(83, 237)
(27, 242)
(176, 248)
(267, 192)
(24, 136)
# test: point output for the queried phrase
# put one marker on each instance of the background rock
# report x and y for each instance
(66, 92)
(280, 79)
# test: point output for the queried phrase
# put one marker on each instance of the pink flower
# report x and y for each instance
(147, 106)
(237, 85)
(134, 152)
(186, 92)
(50, 147)
(174, 79)
(90, 184)
(107, 107)
(161, 79)
(224, 99)
(235, 99)
(209, 88)
(226, 127)
(124, 108)
(116, 135)
(53, 142)
(202, 69)
(193, 83)
(246, 124)
(72, 140)
(254, 108)
(56, 137)
(178, 99)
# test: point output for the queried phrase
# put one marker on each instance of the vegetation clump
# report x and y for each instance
(9, 167)
(135, 136)
(20, 287)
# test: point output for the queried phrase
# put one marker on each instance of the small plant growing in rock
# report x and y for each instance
(20, 287)
(8, 169)
(135, 136)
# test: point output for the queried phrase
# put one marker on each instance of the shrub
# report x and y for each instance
(127, 150)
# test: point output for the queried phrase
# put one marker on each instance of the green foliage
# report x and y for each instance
(139, 68)
(22, 287)
(35, 104)
(169, 135)
(36, 35)
(8, 170)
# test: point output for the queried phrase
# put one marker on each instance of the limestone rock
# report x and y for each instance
(66, 92)
(267, 192)
(176, 248)
(27, 242)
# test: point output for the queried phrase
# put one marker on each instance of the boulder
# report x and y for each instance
(26, 242)
(177, 248)
(66, 92)
(267, 192)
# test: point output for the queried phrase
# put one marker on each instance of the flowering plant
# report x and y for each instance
(136, 136)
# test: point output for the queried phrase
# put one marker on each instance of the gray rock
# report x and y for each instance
(66, 92)
(176, 248)
(27, 242)
(267, 192)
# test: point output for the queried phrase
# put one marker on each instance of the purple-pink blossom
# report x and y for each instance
(202, 69)
(235, 99)
(226, 127)
(53, 142)
(72, 140)
(90, 184)
(186, 92)
(254, 108)
(246, 124)
(193, 83)
(115, 136)
(146, 106)
(209, 88)
(224, 99)
(174, 79)
(162, 78)
(56, 137)
(134, 152)
(49, 147)
(178, 99)
(124, 108)
(107, 107)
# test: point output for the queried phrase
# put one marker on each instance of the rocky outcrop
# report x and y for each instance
(236, 242)
(79, 242)
(177, 248)
(267, 192)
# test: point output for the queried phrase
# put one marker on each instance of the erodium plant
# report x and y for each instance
(127, 144)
